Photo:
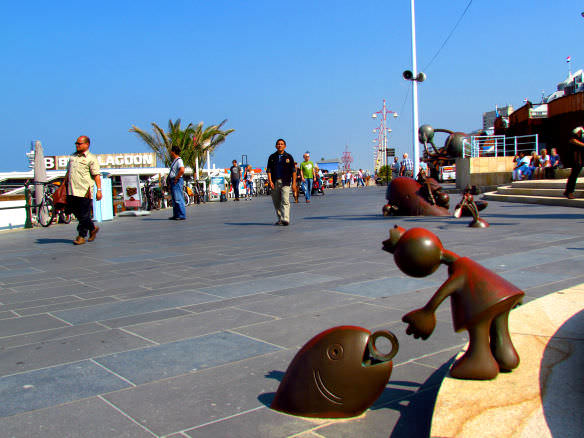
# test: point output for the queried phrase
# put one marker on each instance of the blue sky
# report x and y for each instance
(311, 72)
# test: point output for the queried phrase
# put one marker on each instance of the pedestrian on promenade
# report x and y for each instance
(177, 169)
(395, 168)
(407, 167)
(235, 177)
(319, 176)
(348, 178)
(360, 178)
(83, 171)
(307, 175)
(248, 179)
(577, 150)
(298, 183)
(281, 174)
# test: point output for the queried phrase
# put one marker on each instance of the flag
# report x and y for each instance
(496, 111)
(568, 59)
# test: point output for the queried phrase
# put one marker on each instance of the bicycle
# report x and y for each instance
(46, 211)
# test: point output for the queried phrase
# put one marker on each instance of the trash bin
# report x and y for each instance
(104, 210)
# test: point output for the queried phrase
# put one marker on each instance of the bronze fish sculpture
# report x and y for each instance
(339, 373)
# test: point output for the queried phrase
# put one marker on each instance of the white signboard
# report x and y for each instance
(108, 161)
(216, 186)
(131, 189)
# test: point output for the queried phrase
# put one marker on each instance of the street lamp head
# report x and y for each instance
(373, 116)
(395, 116)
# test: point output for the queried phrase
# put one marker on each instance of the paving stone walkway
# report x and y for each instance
(184, 329)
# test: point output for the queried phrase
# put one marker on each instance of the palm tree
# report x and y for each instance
(205, 140)
(193, 141)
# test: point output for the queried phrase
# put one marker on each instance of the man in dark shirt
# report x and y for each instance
(235, 177)
(577, 149)
(281, 175)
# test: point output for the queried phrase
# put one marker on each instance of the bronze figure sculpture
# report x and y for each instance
(480, 299)
(339, 373)
(457, 144)
(407, 197)
(469, 207)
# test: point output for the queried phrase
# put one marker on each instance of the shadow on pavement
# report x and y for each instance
(570, 216)
(416, 409)
(560, 372)
(349, 217)
(46, 241)
(248, 223)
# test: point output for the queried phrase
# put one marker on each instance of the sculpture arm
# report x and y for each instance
(451, 285)
(421, 322)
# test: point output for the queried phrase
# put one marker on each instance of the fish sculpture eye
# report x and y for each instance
(335, 352)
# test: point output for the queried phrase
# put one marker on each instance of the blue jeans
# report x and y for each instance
(178, 200)
(235, 185)
(307, 188)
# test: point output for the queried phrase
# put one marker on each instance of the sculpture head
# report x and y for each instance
(425, 134)
(417, 252)
(442, 199)
(337, 374)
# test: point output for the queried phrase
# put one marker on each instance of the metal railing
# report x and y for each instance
(501, 146)
(29, 204)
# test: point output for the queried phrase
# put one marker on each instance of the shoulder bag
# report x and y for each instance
(60, 195)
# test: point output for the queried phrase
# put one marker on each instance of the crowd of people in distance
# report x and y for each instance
(536, 166)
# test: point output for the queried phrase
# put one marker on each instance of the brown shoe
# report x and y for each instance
(570, 196)
(79, 240)
(92, 234)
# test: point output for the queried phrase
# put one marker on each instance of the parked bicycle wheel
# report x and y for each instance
(65, 218)
(187, 198)
(46, 212)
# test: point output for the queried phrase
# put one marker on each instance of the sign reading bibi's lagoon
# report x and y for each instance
(108, 161)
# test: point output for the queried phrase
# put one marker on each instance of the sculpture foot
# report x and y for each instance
(475, 368)
(507, 358)
(501, 345)
(479, 223)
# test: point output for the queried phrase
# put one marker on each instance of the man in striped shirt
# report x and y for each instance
(407, 167)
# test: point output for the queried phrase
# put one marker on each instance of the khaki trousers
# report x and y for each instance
(281, 200)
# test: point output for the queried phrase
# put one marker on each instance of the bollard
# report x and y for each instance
(28, 221)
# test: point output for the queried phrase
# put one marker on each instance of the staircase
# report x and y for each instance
(543, 191)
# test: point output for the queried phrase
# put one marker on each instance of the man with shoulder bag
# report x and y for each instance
(175, 180)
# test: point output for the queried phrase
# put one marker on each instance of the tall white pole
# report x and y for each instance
(384, 128)
(415, 94)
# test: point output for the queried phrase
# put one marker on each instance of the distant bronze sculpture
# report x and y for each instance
(480, 299)
(469, 207)
(457, 144)
(407, 197)
(337, 374)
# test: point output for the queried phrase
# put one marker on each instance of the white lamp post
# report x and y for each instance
(415, 77)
